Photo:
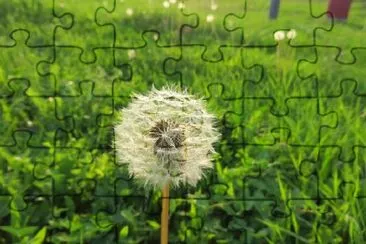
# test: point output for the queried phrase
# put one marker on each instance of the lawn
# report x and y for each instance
(290, 166)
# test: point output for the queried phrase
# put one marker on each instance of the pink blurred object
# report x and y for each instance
(339, 8)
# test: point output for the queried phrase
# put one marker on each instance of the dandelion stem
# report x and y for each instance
(164, 215)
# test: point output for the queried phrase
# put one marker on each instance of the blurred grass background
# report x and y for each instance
(289, 170)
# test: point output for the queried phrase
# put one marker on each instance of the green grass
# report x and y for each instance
(287, 171)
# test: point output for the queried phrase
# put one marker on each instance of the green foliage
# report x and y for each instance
(85, 210)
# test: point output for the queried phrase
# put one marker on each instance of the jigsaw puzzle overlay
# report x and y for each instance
(286, 81)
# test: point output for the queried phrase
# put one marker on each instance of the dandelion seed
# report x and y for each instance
(210, 18)
(131, 54)
(214, 6)
(166, 4)
(172, 1)
(166, 137)
(129, 11)
(291, 34)
(279, 35)
(181, 5)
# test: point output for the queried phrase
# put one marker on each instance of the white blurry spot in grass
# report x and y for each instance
(279, 35)
(210, 18)
(291, 34)
(166, 4)
(156, 37)
(29, 123)
(50, 99)
(213, 6)
(131, 54)
(172, 1)
(129, 11)
(181, 5)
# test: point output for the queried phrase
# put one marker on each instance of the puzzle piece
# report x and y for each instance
(97, 134)
(346, 53)
(296, 122)
(229, 71)
(211, 23)
(349, 70)
(34, 113)
(100, 71)
(27, 224)
(298, 162)
(28, 60)
(340, 179)
(279, 80)
(120, 19)
(84, 25)
(111, 214)
(18, 161)
(349, 106)
(319, 216)
(262, 126)
(137, 74)
(36, 18)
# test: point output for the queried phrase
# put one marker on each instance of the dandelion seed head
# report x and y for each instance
(166, 136)
(279, 35)
(210, 18)
(291, 34)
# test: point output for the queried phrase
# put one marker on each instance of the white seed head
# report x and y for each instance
(166, 4)
(214, 6)
(181, 5)
(129, 11)
(210, 18)
(291, 34)
(131, 54)
(279, 35)
(165, 137)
